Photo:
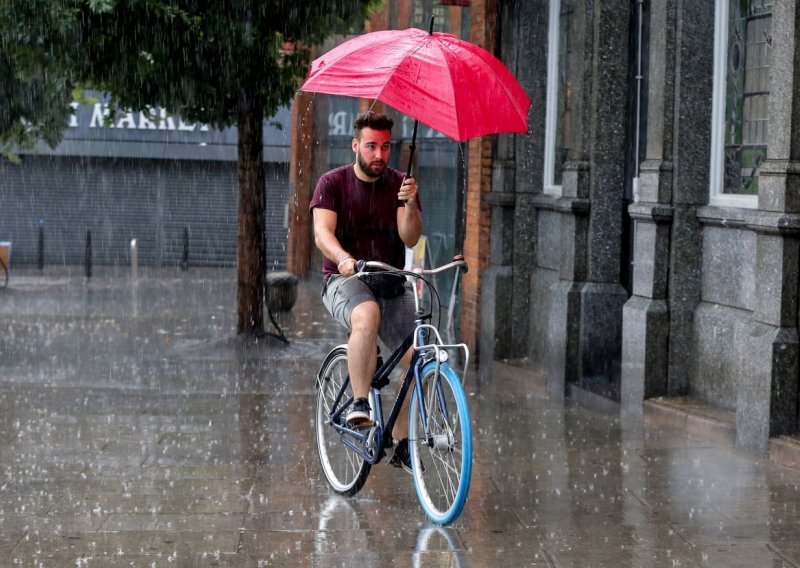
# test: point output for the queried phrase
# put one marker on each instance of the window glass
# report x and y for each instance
(558, 124)
(564, 96)
(746, 94)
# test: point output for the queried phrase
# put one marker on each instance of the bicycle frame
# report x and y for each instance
(370, 443)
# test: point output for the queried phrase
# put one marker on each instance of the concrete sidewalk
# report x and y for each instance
(137, 430)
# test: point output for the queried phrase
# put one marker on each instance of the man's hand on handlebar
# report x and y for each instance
(347, 267)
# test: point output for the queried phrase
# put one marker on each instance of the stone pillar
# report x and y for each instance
(602, 295)
(496, 288)
(557, 345)
(564, 329)
(767, 396)
(657, 319)
(497, 292)
(645, 316)
(531, 30)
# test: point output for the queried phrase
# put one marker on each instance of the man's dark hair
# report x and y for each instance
(372, 120)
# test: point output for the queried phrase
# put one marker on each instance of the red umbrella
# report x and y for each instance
(449, 84)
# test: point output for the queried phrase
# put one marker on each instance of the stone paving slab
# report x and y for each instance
(137, 430)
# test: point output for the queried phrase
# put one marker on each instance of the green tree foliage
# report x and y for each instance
(220, 62)
(37, 42)
(197, 58)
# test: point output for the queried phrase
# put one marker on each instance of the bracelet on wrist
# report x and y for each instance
(339, 264)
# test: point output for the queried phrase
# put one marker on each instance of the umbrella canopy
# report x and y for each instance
(449, 84)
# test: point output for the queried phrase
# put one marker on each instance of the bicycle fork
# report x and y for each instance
(437, 442)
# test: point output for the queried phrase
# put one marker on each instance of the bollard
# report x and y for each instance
(88, 254)
(134, 260)
(185, 260)
(41, 244)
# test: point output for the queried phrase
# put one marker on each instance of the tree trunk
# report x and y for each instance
(251, 244)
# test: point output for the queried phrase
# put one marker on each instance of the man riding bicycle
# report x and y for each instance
(368, 211)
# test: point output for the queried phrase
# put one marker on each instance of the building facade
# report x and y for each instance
(152, 178)
(644, 235)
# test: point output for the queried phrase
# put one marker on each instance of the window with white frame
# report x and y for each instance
(743, 42)
(558, 121)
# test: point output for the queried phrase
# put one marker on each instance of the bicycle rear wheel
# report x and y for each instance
(345, 470)
(441, 459)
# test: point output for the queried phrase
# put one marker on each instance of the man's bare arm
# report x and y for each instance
(409, 222)
(326, 241)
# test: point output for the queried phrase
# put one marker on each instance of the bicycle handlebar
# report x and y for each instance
(457, 262)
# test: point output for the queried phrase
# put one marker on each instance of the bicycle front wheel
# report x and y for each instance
(345, 470)
(441, 458)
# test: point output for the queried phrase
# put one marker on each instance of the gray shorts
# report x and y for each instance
(341, 295)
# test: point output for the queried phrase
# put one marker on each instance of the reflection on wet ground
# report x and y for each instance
(136, 430)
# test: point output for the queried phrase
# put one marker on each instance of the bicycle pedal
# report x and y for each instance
(362, 426)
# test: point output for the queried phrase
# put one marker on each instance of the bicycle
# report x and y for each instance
(440, 432)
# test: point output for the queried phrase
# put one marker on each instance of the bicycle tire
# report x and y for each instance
(442, 471)
(345, 470)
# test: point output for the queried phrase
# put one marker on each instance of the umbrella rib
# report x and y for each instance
(450, 76)
(389, 78)
(490, 68)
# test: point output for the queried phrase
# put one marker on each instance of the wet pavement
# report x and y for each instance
(137, 430)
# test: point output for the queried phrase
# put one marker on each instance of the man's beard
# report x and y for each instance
(373, 169)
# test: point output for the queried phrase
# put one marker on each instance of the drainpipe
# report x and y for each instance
(639, 78)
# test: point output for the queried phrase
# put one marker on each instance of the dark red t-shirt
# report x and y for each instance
(366, 215)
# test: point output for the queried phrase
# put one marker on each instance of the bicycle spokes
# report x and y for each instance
(345, 469)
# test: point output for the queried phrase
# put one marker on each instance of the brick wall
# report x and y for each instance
(479, 182)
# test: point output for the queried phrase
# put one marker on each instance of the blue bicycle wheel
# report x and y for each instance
(441, 458)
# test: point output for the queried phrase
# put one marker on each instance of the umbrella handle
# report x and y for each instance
(412, 149)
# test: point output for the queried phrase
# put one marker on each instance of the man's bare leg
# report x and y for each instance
(361, 347)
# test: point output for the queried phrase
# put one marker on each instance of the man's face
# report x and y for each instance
(372, 151)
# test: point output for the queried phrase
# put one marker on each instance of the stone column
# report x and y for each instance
(602, 295)
(645, 317)
(496, 284)
(498, 295)
(645, 336)
(767, 396)
(657, 319)
(530, 36)
(560, 354)
(564, 329)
